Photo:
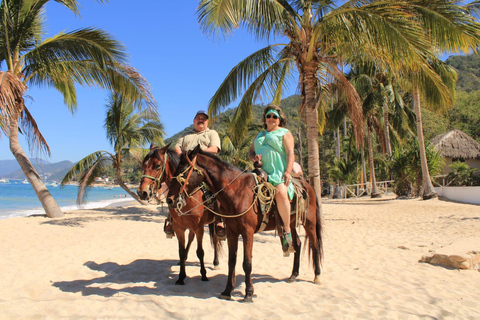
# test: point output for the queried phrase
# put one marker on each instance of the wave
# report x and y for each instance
(88, 205)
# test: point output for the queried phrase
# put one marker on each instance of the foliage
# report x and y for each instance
(462, 175)
(129, 127)
(405, 168)
(468, 68)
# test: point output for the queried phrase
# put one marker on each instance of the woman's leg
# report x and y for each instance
(283, 205)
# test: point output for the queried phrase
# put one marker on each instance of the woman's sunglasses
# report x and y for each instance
(268, 116)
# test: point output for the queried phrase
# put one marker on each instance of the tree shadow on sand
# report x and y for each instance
(153, 277)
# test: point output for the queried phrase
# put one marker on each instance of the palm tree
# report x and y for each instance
(235, 145)
(128, 129)
(451, 28)
(86, 56)
(318, 35)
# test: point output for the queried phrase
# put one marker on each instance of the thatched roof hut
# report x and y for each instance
(457, 145)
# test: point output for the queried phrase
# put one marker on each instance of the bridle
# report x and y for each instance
(183, 190)
(158, 177)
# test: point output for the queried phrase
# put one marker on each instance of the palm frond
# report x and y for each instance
(87, 169)
(34, 137)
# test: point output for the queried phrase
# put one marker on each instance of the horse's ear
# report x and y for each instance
(153, 146)
(192, 154)
(164, 149)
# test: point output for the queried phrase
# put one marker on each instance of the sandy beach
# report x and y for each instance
(116, 263)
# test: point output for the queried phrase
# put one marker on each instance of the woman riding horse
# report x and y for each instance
(241, 211)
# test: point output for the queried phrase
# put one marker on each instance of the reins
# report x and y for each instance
(183, 182)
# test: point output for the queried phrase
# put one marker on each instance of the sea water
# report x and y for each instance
(18, 199)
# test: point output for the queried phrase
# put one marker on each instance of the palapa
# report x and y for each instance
(457, 145)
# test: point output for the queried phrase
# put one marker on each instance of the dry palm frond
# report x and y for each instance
(11, 91)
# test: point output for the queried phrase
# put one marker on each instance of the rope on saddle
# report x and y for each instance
(301, 203)
(265, 192)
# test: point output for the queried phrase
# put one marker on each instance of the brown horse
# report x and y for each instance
(158, 167)
(241, 211)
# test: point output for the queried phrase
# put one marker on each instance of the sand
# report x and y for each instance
(116, 263)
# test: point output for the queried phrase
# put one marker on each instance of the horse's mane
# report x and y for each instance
(170, 154)
(222, 162)
(174, 157)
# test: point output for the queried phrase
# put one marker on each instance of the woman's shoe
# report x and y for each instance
(220, 231)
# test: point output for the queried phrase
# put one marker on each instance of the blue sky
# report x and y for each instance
(184, 67)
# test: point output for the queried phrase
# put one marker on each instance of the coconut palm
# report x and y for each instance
(128, 129)
(317, 35)
(86, 56)
(451, 28)
(235, 146)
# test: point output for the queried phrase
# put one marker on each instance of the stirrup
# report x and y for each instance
(287, 244)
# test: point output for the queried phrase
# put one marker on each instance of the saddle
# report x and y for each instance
(266, 195)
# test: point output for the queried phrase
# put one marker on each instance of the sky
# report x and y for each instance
(183, 65)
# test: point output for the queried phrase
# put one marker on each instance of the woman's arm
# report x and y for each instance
(251, 153)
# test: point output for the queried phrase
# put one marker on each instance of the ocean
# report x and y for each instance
(19, 200)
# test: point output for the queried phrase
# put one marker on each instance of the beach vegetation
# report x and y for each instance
(405, 168)
(129, 127)
(86, 56)
(311, 40)
(463, 175)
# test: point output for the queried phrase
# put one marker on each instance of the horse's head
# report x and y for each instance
(187, 178)
(154, 167)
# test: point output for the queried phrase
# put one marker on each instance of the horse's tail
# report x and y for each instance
(319, 229)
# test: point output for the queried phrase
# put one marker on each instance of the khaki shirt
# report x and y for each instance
(206, 139)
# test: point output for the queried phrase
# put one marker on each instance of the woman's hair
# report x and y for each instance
(283, 120)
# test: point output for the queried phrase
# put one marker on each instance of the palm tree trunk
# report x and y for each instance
(428, 190)
(386, 122)
(371, 164)
(364, 166)
(311, 115)
(126, 188)
(49, 204)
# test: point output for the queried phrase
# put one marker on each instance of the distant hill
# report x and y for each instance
(8, 166)
(468, 67)
(48, 171)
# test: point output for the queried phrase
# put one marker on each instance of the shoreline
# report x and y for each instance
(115, 262)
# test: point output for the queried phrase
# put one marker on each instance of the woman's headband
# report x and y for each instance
(275, 112)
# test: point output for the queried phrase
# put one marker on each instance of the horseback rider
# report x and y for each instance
(209, 141)
(273, 148)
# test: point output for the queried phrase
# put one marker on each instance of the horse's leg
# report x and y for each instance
(247, 264)
(191, 236)
(200, 253)
(182, 252)
(313, 230)
(232, 241)
(297, 245)
(216, 245)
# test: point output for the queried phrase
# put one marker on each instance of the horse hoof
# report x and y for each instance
(216, 267)
(179, 282)
(205, 279)
(225, 297)
(291, 279)
(248, 299)
(316, 280)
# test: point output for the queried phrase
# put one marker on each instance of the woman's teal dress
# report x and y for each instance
(274, 156)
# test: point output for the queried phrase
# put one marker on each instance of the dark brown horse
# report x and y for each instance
(158, 167)
(241, 211)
